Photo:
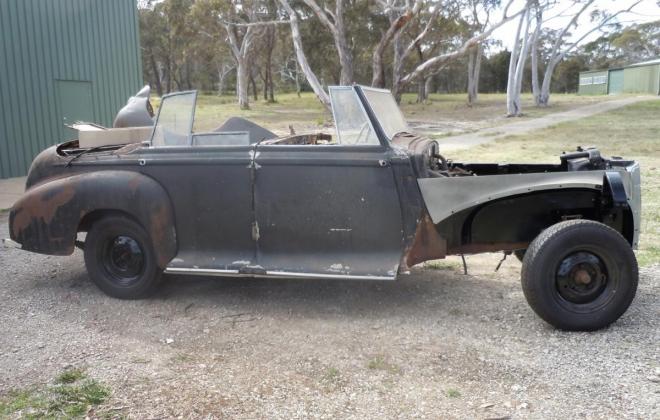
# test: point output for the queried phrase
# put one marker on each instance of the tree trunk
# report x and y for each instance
(221, 81)
(297, 80)
(535, 57)
(300, 55)
(377, 65)
(154, 69)
(397, 68)
(344, 50)
(168, 77)
(474, 68)
(512, 92)
(544, 94)
(338, 30)
(242, 84)
(428, 86)
(255, 93)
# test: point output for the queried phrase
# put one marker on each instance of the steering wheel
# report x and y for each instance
(359, 136)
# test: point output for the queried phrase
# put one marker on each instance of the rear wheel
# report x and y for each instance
(120, 259)
(579, 275)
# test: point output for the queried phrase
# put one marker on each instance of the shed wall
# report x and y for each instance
(593, 83)
(642, 79)
(44, 43)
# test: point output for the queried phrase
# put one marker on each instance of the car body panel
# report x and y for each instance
(299, 206)
(47, 217)
(446, 196)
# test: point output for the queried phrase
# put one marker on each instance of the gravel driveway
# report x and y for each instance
(436, 344)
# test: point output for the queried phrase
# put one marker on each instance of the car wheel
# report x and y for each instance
(520, 254)
(120, 258)
(579, 275)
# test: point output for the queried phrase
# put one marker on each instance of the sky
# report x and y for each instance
(646, 11)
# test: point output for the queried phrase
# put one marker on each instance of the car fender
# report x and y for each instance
(48, 216)
(444, 197)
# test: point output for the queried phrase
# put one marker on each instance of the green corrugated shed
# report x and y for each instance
(642, 78)
(593, 82)
(615, 84)
(636, 78)
(62, 60)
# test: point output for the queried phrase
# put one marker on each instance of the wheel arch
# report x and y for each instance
(47, 218)
(512, 222)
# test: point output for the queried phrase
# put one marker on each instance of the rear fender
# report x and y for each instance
(47, 217)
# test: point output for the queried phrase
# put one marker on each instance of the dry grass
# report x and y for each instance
(306, 113)
(631, 132)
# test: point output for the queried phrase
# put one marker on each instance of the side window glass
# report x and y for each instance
(175, 120)
(353, 126)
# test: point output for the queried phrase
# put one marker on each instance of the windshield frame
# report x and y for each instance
(376, 120)
(192, 118)
(366, 112)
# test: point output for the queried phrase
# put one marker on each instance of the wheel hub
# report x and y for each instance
(581, 277)
(124, 259)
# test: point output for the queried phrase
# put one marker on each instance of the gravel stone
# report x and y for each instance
(434, 344)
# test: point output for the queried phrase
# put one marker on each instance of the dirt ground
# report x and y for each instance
(435, 344)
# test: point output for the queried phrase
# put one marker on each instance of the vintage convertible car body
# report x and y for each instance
(367, 203)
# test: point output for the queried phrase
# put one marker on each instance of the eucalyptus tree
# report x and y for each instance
(564, 43)
(519, 54)
(334, 20)
(296, 38)
(436, 61)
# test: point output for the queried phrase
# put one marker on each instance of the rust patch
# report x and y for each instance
(427, 245)
(41, 205)
(159, 227)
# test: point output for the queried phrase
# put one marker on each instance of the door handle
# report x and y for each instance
(383, 163)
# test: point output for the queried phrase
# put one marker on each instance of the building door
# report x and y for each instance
(615, 82)
(75, 104)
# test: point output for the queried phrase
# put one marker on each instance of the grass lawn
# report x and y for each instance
(631, 132)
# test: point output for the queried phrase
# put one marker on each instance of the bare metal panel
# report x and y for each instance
(446, 196)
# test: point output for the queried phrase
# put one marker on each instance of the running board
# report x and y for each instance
(269, 274)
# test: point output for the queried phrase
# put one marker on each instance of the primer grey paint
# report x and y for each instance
(446, 196)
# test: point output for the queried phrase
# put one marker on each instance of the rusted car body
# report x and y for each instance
(367, 204)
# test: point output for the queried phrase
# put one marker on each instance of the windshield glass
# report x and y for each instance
(386, 111)
(175, 120)
(353, 126)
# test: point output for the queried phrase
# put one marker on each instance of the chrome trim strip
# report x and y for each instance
(269, 274)
(202, 272)
(324, 276)
(8, 243)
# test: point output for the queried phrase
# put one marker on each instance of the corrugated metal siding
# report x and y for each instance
(597, 83)
(42, 41)
(615, 84)
(642, 79)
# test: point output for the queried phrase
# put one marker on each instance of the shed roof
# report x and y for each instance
(646, 63)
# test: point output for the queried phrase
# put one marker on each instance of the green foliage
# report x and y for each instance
(380, 363)
(71, 397)
(70, 376)
(453, 393)
(184, 46)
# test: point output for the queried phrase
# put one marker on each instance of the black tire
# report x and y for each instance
(579, 275)
(520, 254)
(120, 258)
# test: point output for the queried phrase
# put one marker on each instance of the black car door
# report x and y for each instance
(211, 194)
(327, 211)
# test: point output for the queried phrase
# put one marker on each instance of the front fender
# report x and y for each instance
(47, 217)
(446, 196)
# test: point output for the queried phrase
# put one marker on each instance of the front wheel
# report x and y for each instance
(579, 275)
(120, 258)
